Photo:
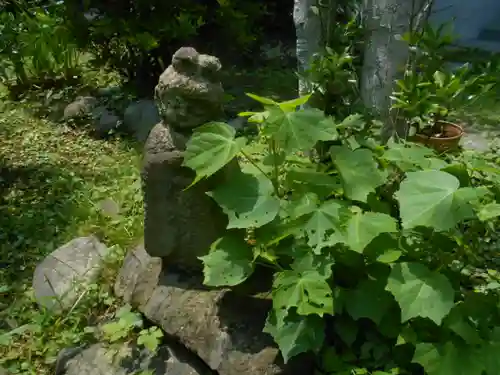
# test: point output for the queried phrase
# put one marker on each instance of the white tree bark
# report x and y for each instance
(385, 54)
(308, 31)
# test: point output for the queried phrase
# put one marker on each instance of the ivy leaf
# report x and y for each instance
(229, 262)
(331, 215)
(420, 292)
(150, 338)
(368, 300)
(210, 148)
(248, 200)
(295, 334)
(299, 130)
(489, 211)
(347, 329)
(308, 180)
(409, 156)
(448, 359)
(389, 256)
(433, 199)
(359, 172)
(354, 121)
(302, 206)
(305, 287)
(490, 356)
(459, 322)
(362, 228)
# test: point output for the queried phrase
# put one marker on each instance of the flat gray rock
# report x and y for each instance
(82, 106)
(98, 360)
(58, 279)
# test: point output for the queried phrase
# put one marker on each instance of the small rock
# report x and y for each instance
(140, 117)
(82, 106)
(98, 360)
(58, 277)
(104, 120)
(109, 207)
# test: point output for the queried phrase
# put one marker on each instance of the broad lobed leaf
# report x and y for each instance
(210, 148)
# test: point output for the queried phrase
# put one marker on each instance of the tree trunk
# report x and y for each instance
(386, 54)
(307, 22)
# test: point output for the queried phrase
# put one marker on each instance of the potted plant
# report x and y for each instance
(429, 92)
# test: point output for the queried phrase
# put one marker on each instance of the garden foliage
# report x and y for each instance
(35, 44)
(376, 254)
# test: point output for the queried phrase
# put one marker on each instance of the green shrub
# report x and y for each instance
(36, 45)
(378, 257)
(137, 38)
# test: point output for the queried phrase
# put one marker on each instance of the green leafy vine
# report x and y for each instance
(369, 250)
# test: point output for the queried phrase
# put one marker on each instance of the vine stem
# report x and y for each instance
(275, 166)
(276, 187)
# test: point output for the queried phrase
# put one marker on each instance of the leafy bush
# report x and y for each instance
(376, 256)
(138, 38)
(35, 45)
(430, 90)
(335, 72)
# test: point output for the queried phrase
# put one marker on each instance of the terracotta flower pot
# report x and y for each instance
(448, 141)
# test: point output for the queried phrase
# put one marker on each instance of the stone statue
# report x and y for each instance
(221, 328)
(180, 224)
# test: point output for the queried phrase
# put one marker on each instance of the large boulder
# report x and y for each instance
(58, 280)
(224, 329)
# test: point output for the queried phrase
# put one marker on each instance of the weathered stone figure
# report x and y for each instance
(180, 224)
(221, 328)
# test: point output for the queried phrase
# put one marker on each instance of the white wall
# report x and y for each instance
(470, 15)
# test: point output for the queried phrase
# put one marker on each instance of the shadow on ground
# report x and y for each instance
(35, 204)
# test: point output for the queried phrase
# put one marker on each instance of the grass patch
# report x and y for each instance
(57, 183)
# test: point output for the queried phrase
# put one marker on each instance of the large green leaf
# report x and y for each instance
(368, 300)
(308, 180)
(458, 322)
(248, 200)
(434, 199)
(409, 157)
(362, 228)
(489, 355)
(489, 211)
(295, 334)
(305, 287)
(449, 359)
(332, 215)
(301, 206)
(299, 130)
(420, 292)
(210, 148)
(229, 262)
(359, 171)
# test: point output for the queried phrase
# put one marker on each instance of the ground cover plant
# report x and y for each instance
(54, 182)
(375, 254)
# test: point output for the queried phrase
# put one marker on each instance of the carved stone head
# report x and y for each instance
(189, 93)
